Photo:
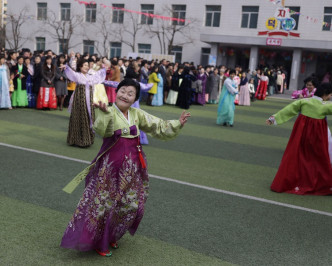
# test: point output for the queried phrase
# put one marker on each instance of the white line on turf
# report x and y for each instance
(183, 183)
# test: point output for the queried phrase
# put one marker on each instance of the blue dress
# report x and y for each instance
(158, 98)
(31, 95)
(4, 88)
(226, 103)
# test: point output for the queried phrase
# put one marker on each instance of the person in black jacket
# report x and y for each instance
(185, 90)
(47, 96)
(36, 79)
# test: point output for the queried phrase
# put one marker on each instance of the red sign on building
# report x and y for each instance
(273, 41)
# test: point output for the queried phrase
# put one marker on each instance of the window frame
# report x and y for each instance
(325, 16)
(91, 13)
(87, 46)
(40, 43)
(67, 11)
(115, 51)
(144, 19)
(41, 11)
(213, 16)
(118, 14)
(249, 18)
(145, 50)
(179, 14)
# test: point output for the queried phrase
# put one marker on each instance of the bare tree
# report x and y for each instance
(62, 30)
(15, 38)
(171, 33)
(127, 32)
(103, 30)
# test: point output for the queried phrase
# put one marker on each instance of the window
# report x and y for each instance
(41, 11)
(40, 43)
(144, 48)
(90, 13)
(65, 11)
(147, 9)
(88, 47)
(205, 56)
(177, 51)
(115, 49)
(212, 18)
(179, 12)
(327, 18)
(249, 17)
(63, 46)
(118, 14)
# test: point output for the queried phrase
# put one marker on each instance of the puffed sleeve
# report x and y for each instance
(158, 128)
(99, 77)
(73, 76)
(288, 112)
(103, 124)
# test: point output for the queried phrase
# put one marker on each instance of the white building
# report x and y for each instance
(242, 32)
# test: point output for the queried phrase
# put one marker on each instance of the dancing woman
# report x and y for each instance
(117, 182)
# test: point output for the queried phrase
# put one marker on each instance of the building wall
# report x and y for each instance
(228, 34)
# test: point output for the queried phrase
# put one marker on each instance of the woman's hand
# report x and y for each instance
(101, 106)
(270, 121)
(184, 117)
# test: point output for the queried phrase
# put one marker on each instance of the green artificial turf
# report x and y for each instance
(182, 225)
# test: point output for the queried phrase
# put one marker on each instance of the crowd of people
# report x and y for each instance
(37, 80)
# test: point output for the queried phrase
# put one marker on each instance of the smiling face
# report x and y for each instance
(85, 68)
(125, 97)
(310, 86)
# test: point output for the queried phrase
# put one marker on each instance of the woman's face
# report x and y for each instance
(13, 56)
(310, 86)
(27, 61)
(37, 60)
(85, 68)
(62, 60)
(202, 70)
(49, 61)
(232, 75)
(20, 61)
(2, 61)
(125, 97)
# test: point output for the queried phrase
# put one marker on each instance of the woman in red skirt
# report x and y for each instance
(262, 87)
(305, 167)
(47, 96)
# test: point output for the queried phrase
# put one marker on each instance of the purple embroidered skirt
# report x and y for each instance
(116, 189)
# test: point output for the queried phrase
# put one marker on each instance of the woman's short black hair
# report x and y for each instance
(323, 89)
(232, 71)
(80, 63)
(130, 82)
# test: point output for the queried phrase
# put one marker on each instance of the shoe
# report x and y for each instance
(231, 125)
(104, 253)
(114, 245)
(224, 124)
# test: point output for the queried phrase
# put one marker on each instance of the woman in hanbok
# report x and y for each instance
(308, 91)
(47, 95)
(213, 81)
(4, 85)
(81, 119)
(200, 96)
(176, 82)
(244, 94)
(185, 90)
(61, 82)
(262, 87)
(153, 78)
(116, 182)
(158, 98)
(226, 105)
(37, 77)
(19, 96)
(29, 84)
(305, 167)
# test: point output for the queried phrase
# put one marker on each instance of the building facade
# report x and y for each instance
(295, 34)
